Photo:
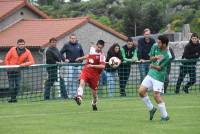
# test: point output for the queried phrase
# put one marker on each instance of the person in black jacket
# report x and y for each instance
(70, 52)
(114, 51)
(52, 57)
(191, 52)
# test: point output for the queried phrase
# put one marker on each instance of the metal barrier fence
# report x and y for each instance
(44, 82)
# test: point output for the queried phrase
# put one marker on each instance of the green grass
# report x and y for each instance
(115, 116)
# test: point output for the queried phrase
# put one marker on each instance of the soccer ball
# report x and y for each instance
(114, 62)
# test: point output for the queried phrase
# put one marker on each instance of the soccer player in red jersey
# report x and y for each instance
(95, 63)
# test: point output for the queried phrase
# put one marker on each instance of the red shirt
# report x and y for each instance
(94, 59)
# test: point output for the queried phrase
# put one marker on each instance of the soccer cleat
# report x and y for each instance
(164, 119)
(94, 107)
(78, 100)
(152, 112)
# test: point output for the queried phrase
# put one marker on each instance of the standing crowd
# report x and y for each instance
(153, 57)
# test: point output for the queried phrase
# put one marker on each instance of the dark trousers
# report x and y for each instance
(191, 70)
(14, 83)
(167, 78)
(52, 77)
(124, 72)
(166, 82)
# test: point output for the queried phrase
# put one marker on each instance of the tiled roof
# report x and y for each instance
(7, 7)
(37, 32)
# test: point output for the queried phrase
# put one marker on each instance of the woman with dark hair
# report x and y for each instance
(114, 51)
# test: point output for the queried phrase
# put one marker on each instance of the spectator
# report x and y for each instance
(144, 47)
(191, 53)
(21, 56)
(172, 57)
(72, 50)
(129, 55)
(52, 57)
(114, 51)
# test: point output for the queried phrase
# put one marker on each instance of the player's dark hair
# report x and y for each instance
(100, 42)
(164, 39)
(52, 40)
(20, 41)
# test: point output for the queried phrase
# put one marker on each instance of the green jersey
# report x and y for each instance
(128, 54)
(163, 62)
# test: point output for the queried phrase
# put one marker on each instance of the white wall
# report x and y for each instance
(28, 14)
(89, 34)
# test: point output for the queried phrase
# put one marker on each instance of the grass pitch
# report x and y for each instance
(114, 116)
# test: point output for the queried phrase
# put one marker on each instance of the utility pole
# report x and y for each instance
(135, 29)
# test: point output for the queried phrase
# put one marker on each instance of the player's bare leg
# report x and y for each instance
(94, 100)
(78, 97)
(161, 106)
(143, 94)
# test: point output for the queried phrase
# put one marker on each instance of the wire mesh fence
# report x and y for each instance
(44, 82)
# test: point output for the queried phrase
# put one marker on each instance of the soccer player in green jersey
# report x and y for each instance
(159, 57)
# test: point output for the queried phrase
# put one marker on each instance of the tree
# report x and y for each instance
(133, 17)
(153, 16)
(75, 1)
(49, 2)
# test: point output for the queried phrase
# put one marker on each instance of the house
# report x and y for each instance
(12, 11)
(37, 28)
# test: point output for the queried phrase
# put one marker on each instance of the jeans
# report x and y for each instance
(14, 83)
(111, 82)
(71, 77)
(144, 69)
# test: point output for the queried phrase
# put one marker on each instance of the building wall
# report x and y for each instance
(28, 14)
(88, 35)
(178, 48)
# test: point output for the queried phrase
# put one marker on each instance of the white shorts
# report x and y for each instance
(151, 83)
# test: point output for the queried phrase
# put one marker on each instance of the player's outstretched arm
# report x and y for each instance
(101, 66)
(80, 59)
